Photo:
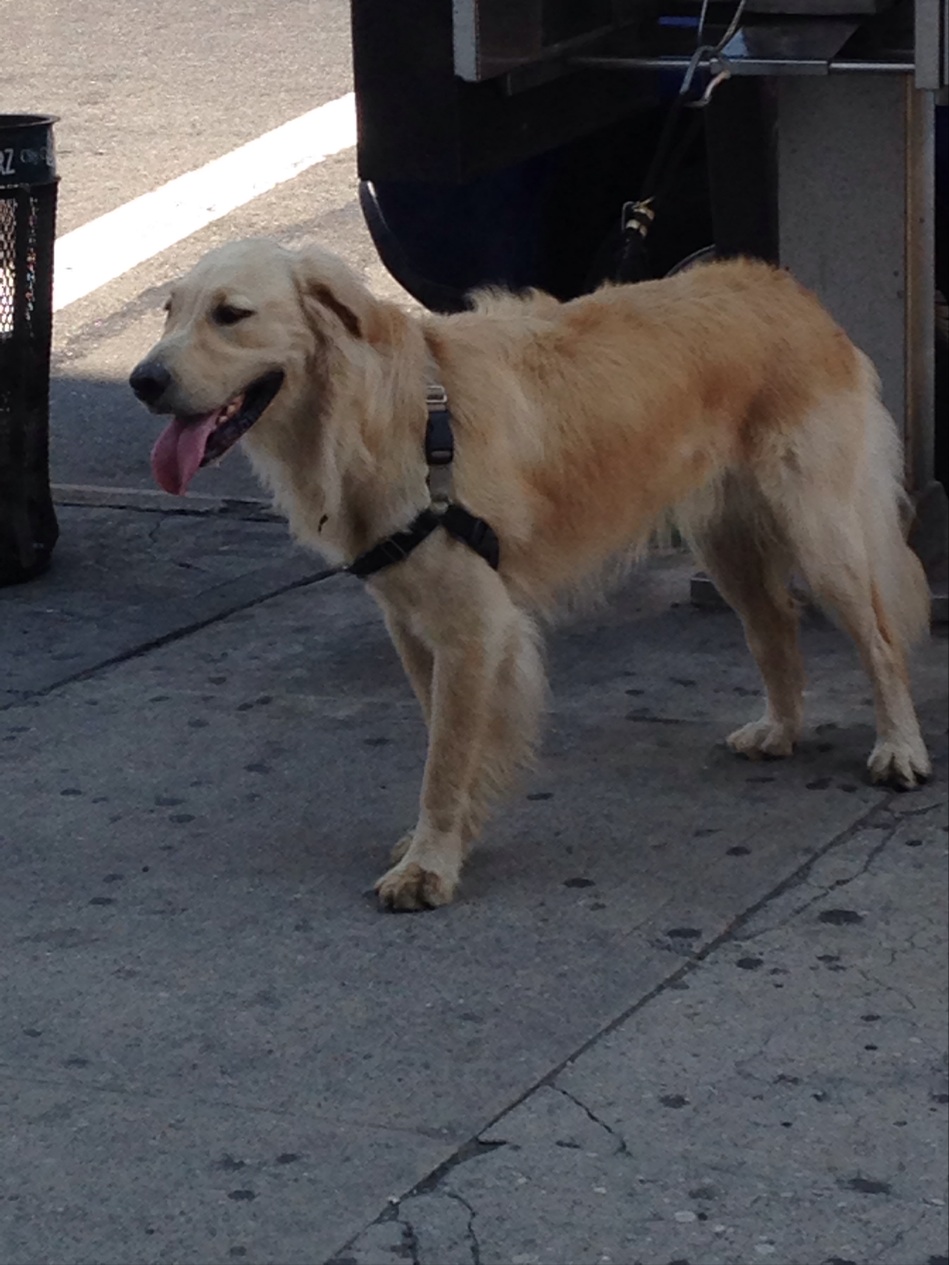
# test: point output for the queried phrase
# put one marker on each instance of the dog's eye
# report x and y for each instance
(227, 314)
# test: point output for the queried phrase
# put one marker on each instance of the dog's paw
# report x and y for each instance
(899, 763)
(409, 886)
(763, 739)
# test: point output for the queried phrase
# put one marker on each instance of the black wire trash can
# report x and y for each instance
(28, 528)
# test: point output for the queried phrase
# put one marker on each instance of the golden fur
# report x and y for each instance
(726, 394)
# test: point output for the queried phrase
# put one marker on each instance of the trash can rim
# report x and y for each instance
(26, 120)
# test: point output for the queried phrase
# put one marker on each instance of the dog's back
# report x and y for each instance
(583, 423)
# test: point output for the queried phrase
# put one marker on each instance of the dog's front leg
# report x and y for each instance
(419, 663)
(463, 684)
(417, 660)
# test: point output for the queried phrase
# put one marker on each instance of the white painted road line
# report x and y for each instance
(105, 248)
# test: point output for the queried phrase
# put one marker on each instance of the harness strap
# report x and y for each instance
(395, 547)
(456, 520)
(443, 510)
(473, 532)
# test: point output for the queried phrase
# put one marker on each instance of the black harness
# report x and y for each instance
(442, 511)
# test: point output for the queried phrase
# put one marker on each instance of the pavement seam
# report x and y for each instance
(156, 643)
(473, 1149)
(145, 501)
(11, 1077)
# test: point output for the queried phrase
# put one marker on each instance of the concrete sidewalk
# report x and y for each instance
(687, 1009)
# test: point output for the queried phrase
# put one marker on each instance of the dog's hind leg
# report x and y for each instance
(851, 584)
(839, 492)
(739, 543)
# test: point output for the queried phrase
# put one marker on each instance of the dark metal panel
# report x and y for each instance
(493, 37)
(740, 133)
(930, 23)
(418, 121)
(791, 47)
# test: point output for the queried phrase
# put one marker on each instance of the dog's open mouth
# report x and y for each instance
(187, 443)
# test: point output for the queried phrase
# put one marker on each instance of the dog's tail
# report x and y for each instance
(899, 581)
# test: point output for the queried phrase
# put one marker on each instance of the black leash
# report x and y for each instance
(637, 217)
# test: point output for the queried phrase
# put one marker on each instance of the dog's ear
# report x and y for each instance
(323, 295)
(331, 293)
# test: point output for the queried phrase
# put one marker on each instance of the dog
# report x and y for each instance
(725, 394)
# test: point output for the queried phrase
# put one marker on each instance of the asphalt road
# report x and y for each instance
(146, 93)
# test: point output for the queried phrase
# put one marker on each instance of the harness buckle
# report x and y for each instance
(439, 447)
(440, 456)
(440, 487)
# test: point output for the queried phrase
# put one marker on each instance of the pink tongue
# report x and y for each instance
(178, 452)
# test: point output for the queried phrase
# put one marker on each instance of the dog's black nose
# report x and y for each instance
(149, 381)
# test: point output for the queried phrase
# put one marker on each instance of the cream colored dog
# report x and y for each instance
(726, 394)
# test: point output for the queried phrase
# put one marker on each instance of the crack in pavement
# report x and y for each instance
(622, 1148)
(865, 823)
(838, 883)
(470, 1232)
(882, 986)
(411, 1246)
(729, 935)
(894, 809)
(409, 1238)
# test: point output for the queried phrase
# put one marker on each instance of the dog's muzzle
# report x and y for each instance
(150, 379)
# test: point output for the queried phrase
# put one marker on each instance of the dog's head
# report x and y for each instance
(246, 332)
